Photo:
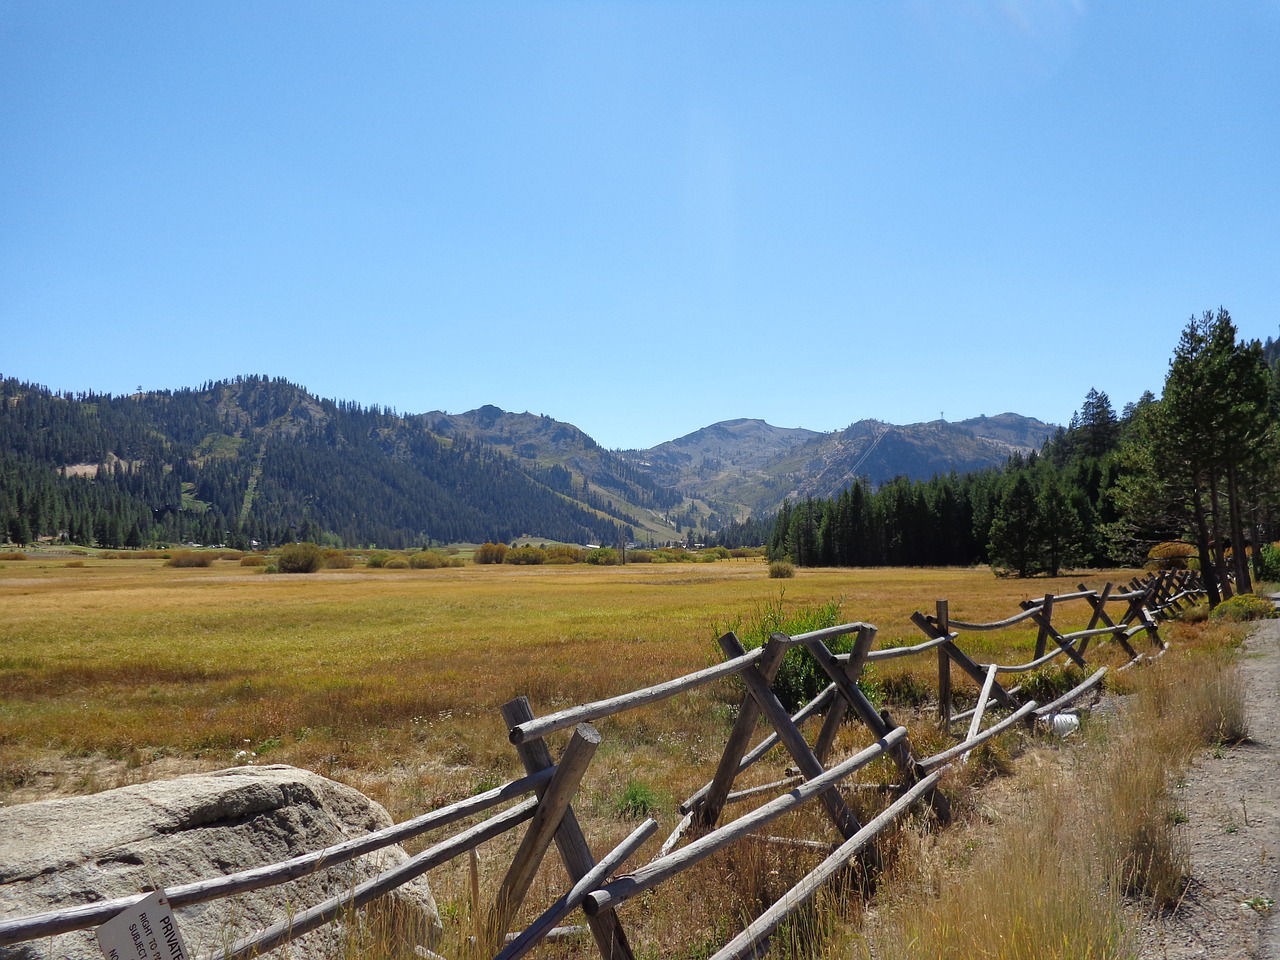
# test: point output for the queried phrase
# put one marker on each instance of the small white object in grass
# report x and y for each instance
(1063, 724)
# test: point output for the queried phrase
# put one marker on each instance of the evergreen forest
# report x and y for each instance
(1199, 464)
(258, 461)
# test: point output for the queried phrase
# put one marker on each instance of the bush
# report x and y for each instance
(378, 560)
(639, 556)
(337, 559)
(1170, 555)
(253, 560)
(603, 557)
(490, 553)
(1271, 562)
(799, 679)
(300, 558)
(1196, 613)
(672, 555)
(13, 555)
(526, 556)
(782, 570)
(396, 563)
(717, 553)
(1245, 606)
(190, 558)
(428, 560)
(565, 553)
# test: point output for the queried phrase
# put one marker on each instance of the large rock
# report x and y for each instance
(62, 853)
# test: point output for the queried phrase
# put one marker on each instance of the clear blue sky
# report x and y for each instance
(643, 217)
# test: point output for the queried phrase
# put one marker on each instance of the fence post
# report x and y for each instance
(791, 738)
(551, 808)
(709, 809)
(574, 851)
(944, 667)
(840, 706)
(1042, 638)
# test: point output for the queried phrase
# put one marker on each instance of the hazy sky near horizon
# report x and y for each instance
(642, 217)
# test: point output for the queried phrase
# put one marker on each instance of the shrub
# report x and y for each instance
(378, 560)
(337, 559)
(396, 563)
(565, 553)
(1170, 555)
(428, 560)
(603, 556)
(905, 689)
(799, 679)
(782, 570)
(1271, 562)
(1245, 606)
(526, 556)
(639, 556)
(490, 553)
(13, 555)
(1048, 683)
(190, 558)
(1196, 613)
(253, 560)
(74, 563)
(300, 558)
(717, 553)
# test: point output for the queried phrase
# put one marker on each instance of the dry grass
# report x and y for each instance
(392, 679)
(1082, 840)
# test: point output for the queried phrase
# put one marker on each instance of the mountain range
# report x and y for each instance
(266, 457)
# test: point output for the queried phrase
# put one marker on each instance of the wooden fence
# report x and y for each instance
(545, 793)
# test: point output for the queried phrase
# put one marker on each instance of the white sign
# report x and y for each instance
(144, 931)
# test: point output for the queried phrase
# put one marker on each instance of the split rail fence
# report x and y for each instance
(598, 889)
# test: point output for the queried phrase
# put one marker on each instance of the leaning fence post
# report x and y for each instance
(709, 809)
(791, 738)
(574, 851)
(551, 808)
(840, 706)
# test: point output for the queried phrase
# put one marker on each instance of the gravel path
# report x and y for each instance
(1231, 800)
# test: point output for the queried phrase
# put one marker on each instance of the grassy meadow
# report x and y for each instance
(113, 671)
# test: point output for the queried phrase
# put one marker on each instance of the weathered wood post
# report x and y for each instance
(841, 816)
(707, 813)
(574, 851)
(944, 666)
(552, 805)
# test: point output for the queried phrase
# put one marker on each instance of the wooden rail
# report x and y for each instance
(553, 784)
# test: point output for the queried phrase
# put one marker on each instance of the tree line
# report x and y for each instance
(254, 460)
(1201, 463)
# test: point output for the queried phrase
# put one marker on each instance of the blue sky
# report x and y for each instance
(641, 218)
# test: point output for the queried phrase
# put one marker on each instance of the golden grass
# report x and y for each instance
(1086, 840)
(392, 679)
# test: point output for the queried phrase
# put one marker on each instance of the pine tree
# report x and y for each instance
(1015, 531)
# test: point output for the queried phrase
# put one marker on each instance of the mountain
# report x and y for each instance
(262, 459)
(258, 459)
(569, 461)
(748, 466)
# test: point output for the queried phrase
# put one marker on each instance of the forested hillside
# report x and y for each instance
(1200, 464)
(261, 460)
(568, 461)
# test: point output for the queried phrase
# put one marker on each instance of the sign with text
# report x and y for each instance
(144, 931)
